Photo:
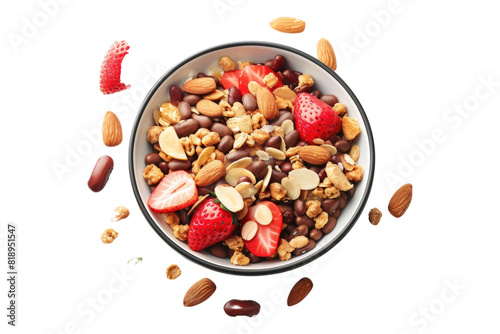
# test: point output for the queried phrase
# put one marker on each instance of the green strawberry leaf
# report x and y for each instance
(211, 193)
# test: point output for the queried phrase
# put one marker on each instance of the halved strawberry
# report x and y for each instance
(230, 79)
(256, 73)
(265, 241)
(176, 191)
(111, 68)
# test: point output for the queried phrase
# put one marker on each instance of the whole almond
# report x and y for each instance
(266, 103)
(326, 54)
(199, 86)
(288, 25)
(199, 292)
(210, 173)
(111, 130)
(401, 200)
(316, 155)
(209, 108)
(299, 291)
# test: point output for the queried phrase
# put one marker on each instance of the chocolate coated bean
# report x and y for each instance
(343, 146)
(244, 179)
(258, 169)
(336, 214)
(237, 155)
(179, 164)
(278, 63)
(290, 77)
(153, 158)
(203, 120)
(184, 129)
(329, 99)
(164, 167)
(236, 307)
(192, 99)
(284, 115)
(302, 89)
(184, 109)
(316, 93)
(221, 129)
(292, 138)
(269, 63)
(286, 167)
(277, 176)
(270, 162)
(274, 142)
(249, 102)
(234, 95)
(226, 144)
(100, 174)
(218, 250)
(253, 258)
(342, 200)
(184, 217)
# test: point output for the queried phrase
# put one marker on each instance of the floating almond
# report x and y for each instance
(199, 292)
(266, 103)
(111, 130)
(306, 178)
(235, 174)
(289, 25)
(326, 54)
(230, 198)
(263, 215)
(200, 86)
(249, 230)
(315, 155)
(210, 173)
(171, 145)
(292, 188)
(209, 108)
(401, 200)
(299, 291)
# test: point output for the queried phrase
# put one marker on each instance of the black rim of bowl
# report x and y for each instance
(236, 270)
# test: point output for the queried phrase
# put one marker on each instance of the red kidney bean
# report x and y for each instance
(301, 230)
(329, 99)
(302, 89)
(330, 205)
(342, 200)
(244, 179)
(288, 217)
(304, 220)
(343, 146)
(253, 258)
(164, 167)
(292, 138)
(100, 174)
(234, 95)
(218, 250)
(280, 75)
(179, 164)
(236, 307)
(258, 169)
(249, 102)
(290, 77)
(297, 73)
(299, 206)
(237, 155)
(315, 234)
(286, 167)
(278, 63)
(322, 174)
(184, 129)
(202, 120)
(316, 93)
(277, 176)
(184, 217)
(152, 158)
(310, 245)
(184, 110)
(274, 142)
(333, 139)
(336, 214)
(330, 225)
(226, 144)
(192, 99)
(176, 95)
(351, 191)
(217, 82)
(269, 63)
(221, 129)
(335, 159)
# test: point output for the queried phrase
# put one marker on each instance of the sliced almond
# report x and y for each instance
(194, 110)
(235, 174)
(200, 199)
(283, 146)
(205, 154)
(171, 145)
(156, 116)
(354, 152)
(266, 179)
(262, 155)
(347, 162)
(249, 230)
(263, 215)
(246, 189)
(229, 197)
(306, 178)
(240, 141)
(216, 95)
(292, 188)
(287, 126)
(330, 149)
(242, 163)
(318, 141)
(275, 153)
(268, 128)
(285, 93)
(258, 185)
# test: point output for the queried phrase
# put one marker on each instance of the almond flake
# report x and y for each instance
(246, 189)
(306, 178)
(275, 153)
(249, 230)
(242, 163)
(287, 126)
(292, 188)
(263, 215)
(229, 197)
(235, 174)
(330, 149)
(318, 141)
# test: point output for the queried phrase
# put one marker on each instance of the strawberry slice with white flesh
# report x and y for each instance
(176, 191)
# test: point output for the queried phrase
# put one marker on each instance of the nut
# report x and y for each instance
(374, 216)
(152, 174)
(299, 242)
(210, 173)
(154, 134)
(202, 132)
(209, 108)
(239, 259)
(172, 219)
(320, 192)
(285, 93)
(170, 113)
(260, 136)
(267, 104)
(288, 25)
(258, 121)
(199, 86)
(277, 191)
(181, 232)
(173, 271)
(215, 95)
(253, 87)
(111, 130)
(108, 236)
(229, 197)
(238, 109)
(326, 54)
(337, 177)
(170, 144)
(354, 153)
(332, 192)
(210, 139)
(121, 212)
(313, 209)
(227, 64)
(235, 243)
(401, 200)
(299, 291)
(263, 215)
(356, 174)
(316, 155)
(195, 140)
(249, 230)
(199, 292)
(340, 109)
(321, 220)
(350, 127)
(306, 178)
(347, 162)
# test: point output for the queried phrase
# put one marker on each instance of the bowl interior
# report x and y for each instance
(325, 80)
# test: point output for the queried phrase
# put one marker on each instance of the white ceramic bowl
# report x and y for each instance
(325, 80)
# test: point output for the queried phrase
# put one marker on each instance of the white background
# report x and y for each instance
(427, 58)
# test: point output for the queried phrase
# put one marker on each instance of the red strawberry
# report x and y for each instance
(111, 68)
(176, 191)
(256, 73)
(210, 224)
(265, 241)
(314, 118)
(230, 79)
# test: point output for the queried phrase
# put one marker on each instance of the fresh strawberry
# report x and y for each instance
(230, 79)
(265, 241)
(256, 73)
(210, 224)
(314, 118)
(111, 68)
(176, 191)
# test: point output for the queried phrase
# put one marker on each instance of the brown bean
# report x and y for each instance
(269, 63)
(336, 158)
(278, 63)
(100, 174)
(301, 230)
(342, 200)
(290, 77)
(316, 93)
(277, 176)
(304, 220)
(286, 167)
(330, 205)
(299, 206)
(329, 99)
(236, 307)
(217, 82)
(184, 110)
(176, 95)
(343, 146)
(201, 75)
(237, 155)
(322, 174)
(330, 225)
(226, 144)
(302, 89)
(274, 142)
(333, 139)
(288, 217)
(234, 95)
(315, 234)
(258, 169)
(153, 158)
(164, 167)
(179, 164)
(249, 102)
(192, 99)
(253, 258)
(184, 129)
(204, 121)
(284, 115)
(221, 129)
(351, 191)
(270, 162)
(292, 138)
(184, 217)
(218, 250)
(336, 214)
(310, 245)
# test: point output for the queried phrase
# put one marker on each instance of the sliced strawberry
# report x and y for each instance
(256, 73)
(265, 241)
(314, 118)
(209, 225)
(111, 68)
(230, 79)
(176, 191)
